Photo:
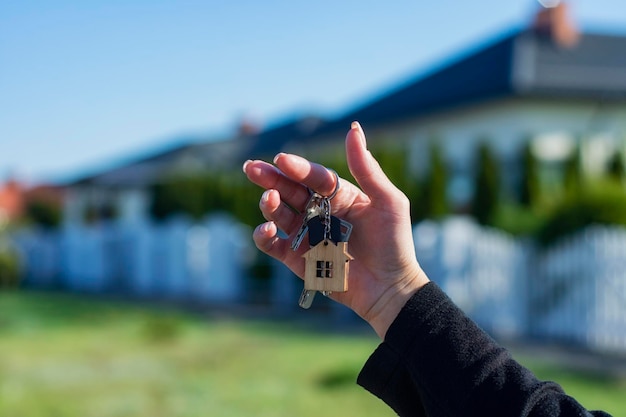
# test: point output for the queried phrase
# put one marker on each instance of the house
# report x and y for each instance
(326, 267)
(546, 84)
(124, 191)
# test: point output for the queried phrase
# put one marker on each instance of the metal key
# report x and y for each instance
(312, 210)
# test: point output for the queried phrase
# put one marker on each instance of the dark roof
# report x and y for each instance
(594, 68)
(144, 170)
(270, 141)
(520, 64)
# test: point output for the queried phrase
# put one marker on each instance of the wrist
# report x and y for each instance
(390, 303)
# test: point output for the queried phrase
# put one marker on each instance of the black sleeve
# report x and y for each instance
(436, 362)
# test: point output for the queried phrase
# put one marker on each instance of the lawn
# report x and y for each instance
(63, 355)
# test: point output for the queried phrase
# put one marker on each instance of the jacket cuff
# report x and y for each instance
(385, 361)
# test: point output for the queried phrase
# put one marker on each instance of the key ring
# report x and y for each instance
(332, 195)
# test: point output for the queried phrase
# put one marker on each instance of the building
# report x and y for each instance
(546, 84)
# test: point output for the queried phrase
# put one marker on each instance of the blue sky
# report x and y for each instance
(85, 83)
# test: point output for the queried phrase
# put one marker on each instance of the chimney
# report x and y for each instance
(553, 20)
(247, 126)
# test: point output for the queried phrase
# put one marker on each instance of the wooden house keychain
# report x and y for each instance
(327, 260)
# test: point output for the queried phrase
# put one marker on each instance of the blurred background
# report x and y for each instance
(129, 284)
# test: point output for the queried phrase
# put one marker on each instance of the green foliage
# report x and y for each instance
(517, 220)
(433, 199)
(200, 194)
(43, 213)
(530, 189)
(616, 167)
(597, 203)
(336, 160)
(487, 186)
(9, 267)
(192, 195)
(572, 176)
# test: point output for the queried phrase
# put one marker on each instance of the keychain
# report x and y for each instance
(327, 260)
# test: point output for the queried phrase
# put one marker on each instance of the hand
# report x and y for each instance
(384, 273)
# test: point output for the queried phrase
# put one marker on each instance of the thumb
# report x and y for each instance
(364, 168)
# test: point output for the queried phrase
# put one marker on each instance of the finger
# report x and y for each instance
(265, 237)
(315, 176)
(267, 241)
(364, 168)
(268, 176)
(274, 210)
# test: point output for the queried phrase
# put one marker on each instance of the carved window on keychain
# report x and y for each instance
(324, 269)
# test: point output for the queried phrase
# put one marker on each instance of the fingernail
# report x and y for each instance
(245, 164)
(265, 197)
(356, 125)
(277, 157)
(266, 227)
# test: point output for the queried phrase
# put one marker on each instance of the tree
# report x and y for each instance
(616, 167)
(487, 186)
(530, 191)
(572, 175)
(434, 202)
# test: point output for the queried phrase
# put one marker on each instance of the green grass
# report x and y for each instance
(68, 356)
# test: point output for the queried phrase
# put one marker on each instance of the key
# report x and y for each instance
(314, 228)
(306, 298)
(312, 210)
(340, 230)
(295, 243)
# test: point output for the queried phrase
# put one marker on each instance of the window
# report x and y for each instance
(324, 269)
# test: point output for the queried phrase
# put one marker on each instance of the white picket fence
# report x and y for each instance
(482, 270)
(177, 259)
(575, 291)
(580, 290)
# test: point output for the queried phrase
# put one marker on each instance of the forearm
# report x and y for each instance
(453, 368)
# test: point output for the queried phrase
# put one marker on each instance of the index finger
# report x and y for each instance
(315, 176)
(268, 176)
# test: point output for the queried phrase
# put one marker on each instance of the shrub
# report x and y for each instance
(487, 186)
(9, 269)
(573, 173)
(43, 213)
(529, 193)
(598, 203)
(200, 194)
(517, 220)
(615, 169)
(432, 201)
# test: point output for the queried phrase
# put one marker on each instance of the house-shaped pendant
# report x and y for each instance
(326, 267)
